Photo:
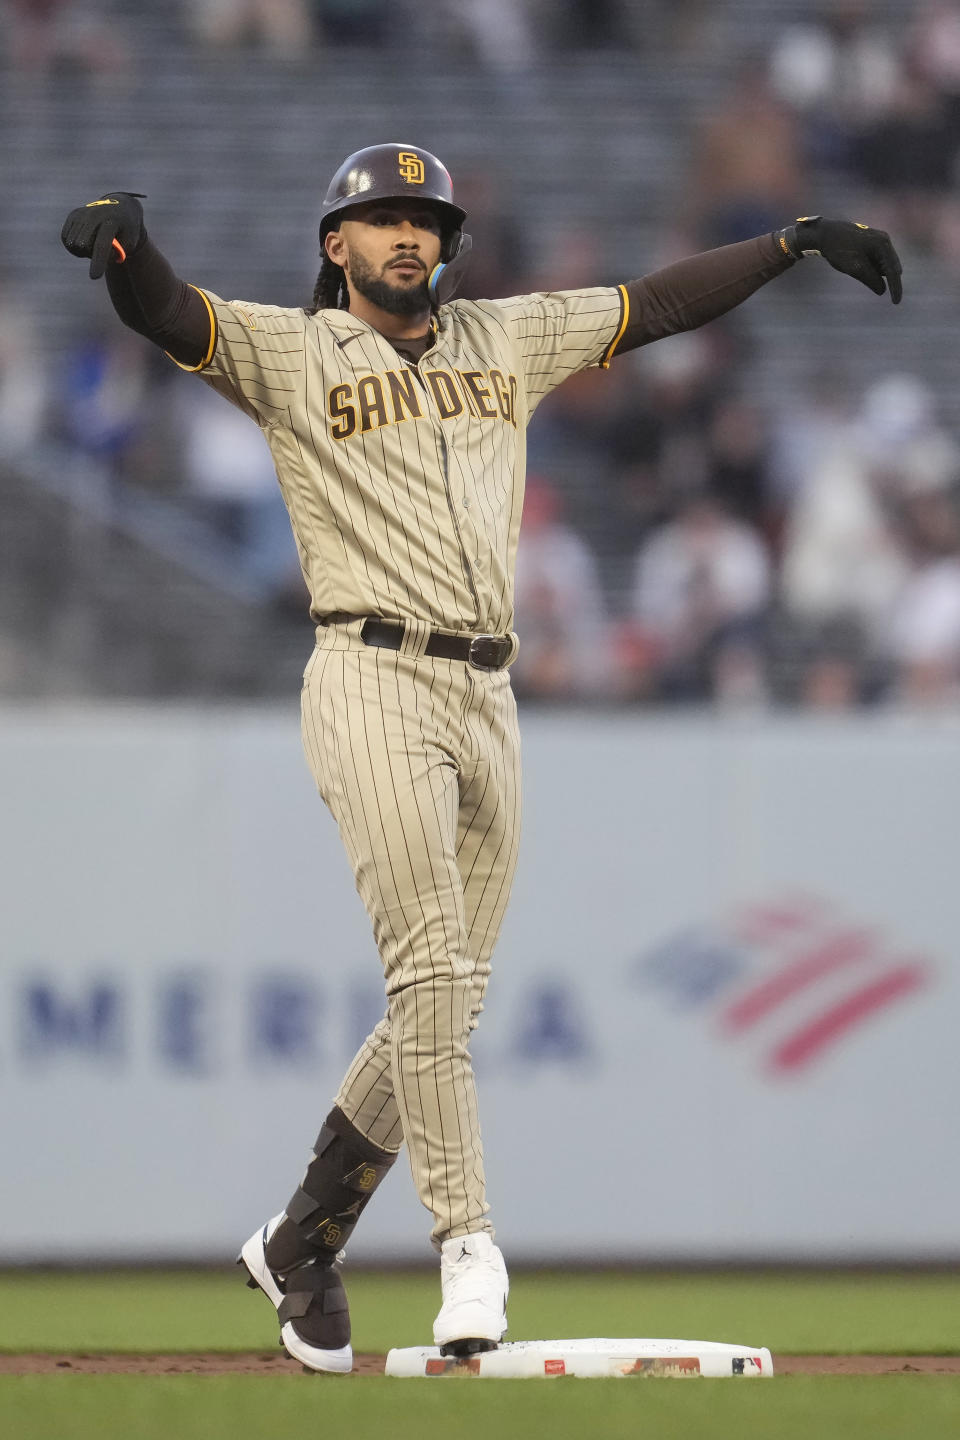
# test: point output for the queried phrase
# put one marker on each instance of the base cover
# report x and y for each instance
(596, 1359)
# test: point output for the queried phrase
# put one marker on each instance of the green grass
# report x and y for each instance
(208, 1310)
(242, 1408)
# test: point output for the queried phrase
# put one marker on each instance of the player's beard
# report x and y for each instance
(396, 299)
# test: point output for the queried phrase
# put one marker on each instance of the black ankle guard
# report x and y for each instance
(316, 1302)
(324, 1210)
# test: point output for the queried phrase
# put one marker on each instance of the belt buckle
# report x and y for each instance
(478, 644)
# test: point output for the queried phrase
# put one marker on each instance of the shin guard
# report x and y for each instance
(323, 1212)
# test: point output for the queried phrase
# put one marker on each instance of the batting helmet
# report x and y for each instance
(394, 172)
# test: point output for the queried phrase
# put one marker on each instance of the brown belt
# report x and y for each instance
(483, 652)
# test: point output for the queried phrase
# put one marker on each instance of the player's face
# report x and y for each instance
(388, 250)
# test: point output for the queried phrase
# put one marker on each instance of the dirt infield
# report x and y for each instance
(276, 1363)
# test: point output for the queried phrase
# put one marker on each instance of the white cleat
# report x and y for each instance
(473, 1277)
(309, 1288)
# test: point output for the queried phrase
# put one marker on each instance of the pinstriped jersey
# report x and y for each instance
(404, 482)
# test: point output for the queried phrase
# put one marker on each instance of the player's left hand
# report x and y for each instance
(852, 248)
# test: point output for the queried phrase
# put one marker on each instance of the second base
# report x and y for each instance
(595, 1359)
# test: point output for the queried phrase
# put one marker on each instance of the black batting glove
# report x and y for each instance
(853, 249)
(108, 229)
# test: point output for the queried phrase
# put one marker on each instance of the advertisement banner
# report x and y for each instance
(721, 1026)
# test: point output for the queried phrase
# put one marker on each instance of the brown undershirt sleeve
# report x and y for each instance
(693, 291)
(152, 300)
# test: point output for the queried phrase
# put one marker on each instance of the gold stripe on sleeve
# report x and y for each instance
(624, 318)
(192, 369)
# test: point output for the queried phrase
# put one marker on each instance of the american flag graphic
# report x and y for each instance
(791, 975)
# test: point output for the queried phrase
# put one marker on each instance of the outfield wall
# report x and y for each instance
(722, 1026)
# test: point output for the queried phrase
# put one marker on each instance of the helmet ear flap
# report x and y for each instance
(447, 275)
(452, 245)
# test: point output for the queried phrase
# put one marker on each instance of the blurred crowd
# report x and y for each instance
(805, 554)
(684, 540)
(681, 542)
(501, 36)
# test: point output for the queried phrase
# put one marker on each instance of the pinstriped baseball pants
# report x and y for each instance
(418, 760)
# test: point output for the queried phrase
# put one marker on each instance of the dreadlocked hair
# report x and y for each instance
(330, 291)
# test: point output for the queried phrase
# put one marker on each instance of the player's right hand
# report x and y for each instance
(110, 228)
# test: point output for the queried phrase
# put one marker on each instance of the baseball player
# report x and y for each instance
(396, 418)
